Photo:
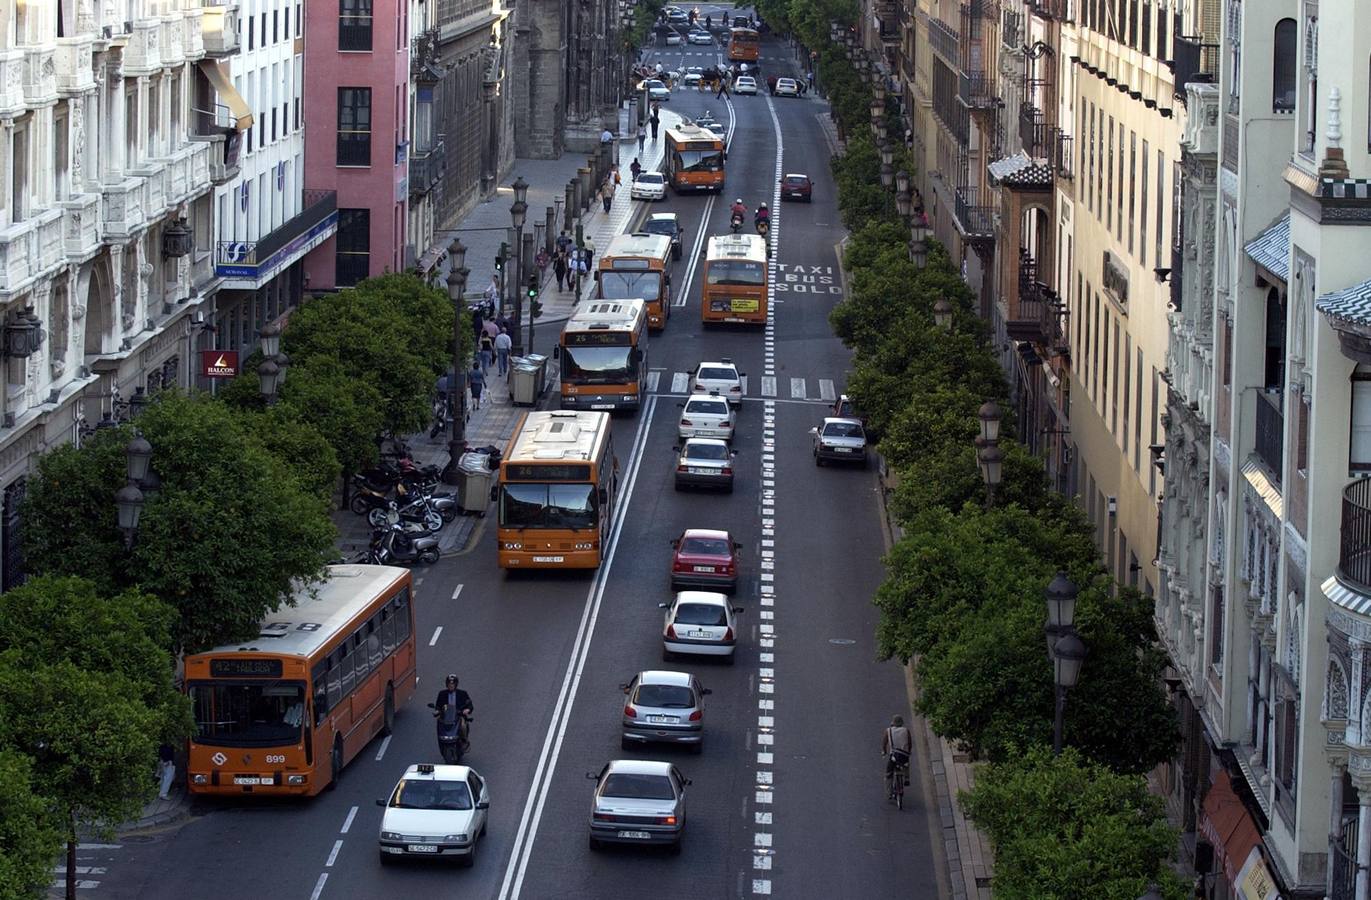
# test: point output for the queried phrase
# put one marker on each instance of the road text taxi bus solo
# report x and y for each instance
(284, 712)
(558, 491)
(603, 355)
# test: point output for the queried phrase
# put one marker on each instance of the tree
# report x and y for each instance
(30, 834)
(1064, 828)
(346, 410)
(298, 445)
(224, 540)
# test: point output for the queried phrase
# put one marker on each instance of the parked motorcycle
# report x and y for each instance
(368, 495)
(393, 545)
(454, 738)
(429, 510)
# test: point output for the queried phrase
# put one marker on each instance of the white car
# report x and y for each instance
(700, 37)
(435, 812)
(722, 377)
(648, 186)
(691, 80)
(656, 89)
(745, 84)
(787, 87)
(706, 415)
(673, 40)
(701, 623)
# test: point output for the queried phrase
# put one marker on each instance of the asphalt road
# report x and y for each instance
(786, 798)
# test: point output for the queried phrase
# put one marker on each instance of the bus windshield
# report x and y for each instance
(598, 365)
(621, 285)
(736, 271)
(699, 160)
(534, 505)
(234, 714)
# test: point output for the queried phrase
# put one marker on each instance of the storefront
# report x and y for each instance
(1239, 870)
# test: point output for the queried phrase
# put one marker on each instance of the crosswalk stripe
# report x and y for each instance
(653, 378)
(797, 389)
(826, 389)
(768, 385)
(679, 382)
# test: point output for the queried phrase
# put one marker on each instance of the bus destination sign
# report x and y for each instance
(598, 338)
(245, 668)
(550, 472)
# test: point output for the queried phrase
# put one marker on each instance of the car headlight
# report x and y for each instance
(456, 838)
(390, 836)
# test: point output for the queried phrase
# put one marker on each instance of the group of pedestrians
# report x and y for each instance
(570, 263)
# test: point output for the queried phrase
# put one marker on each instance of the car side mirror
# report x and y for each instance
(380, 803)
(624, 687)
(675, 542)
(686, 781)
(737, 609)
(431, 706)
(737, 545)
(681, 405)
(483, 804)
(596, 276)
(663, 605)
(705, 692)
(675, 449)
(591, 776)
(814, 430)
(604, 495)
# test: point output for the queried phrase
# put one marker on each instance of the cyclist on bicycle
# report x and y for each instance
(896, 746)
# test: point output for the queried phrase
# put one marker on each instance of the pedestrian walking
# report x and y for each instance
(642, 138)
(559, 268)
(653, 121)
(490, 328)
(635, 168)
(809, 79)
(486, 354)
(166, 770)
(723, 89)
(588, 252)
(477, 379)
(503, 343)
(617, 179)
(578, 269)
(606, 137)
(477, 323)
(564, 242)
(607, 194)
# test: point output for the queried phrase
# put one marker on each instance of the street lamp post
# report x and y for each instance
(988, 453)
(129, 498)
(1064, 648)
(272, 370)
(457, 382)
(942, 314)
(517, 212)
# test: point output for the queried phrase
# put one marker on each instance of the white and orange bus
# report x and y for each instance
(735, 280)
(744, 45)
(603, 355)
(283, 713)
(559, 485)
(638, 265)
(694, 159)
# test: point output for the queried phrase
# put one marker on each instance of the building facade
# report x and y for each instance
(106, 214)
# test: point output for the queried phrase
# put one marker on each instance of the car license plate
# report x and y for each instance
(548, 559)
(699, 470)
(709, 569)
(733, 319)
(701, 634)
(638, 835)
(250, 779)
(602, 406)
(422, 848)
(664, 720)
(844, 449)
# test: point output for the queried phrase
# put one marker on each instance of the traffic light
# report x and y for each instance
(500, 258)
(534, 307)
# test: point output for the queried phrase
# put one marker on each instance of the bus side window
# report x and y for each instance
(374, 641)
(346, 650)
(335, 678)
(402, 616)
(361, 663)
(320, 679)
(388, 628)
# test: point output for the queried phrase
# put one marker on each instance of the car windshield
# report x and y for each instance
(700, 614)
(705, 546)
(707, 407)
(234, 714)
(654, 83)
(413, 793)
(623, 285)
(535, 505)
(638, 787)
(712, 373)
(842, 429)
(665, 696)
(650, 178)
(598, 365)
(706, 451)
(736, 271)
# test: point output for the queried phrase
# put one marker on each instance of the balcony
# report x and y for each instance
(123, 212)
(153, 173)
(976, 90)
(1033, 132)
(80, 226)
(423, 58)
(250, 264)
(1012, 30)
(975, 221)
(73, 66)
(11, 81)
(1354, 550)
(40, 76)
(192, 41)
(1195, 61)
(426, 169)
(1052, 9)
(219, 27)
(173, 49)
(143, 53)
(1064, 158)
(1027, 310)
(888, 23)
(30, 249)
(943, 38)
(1270, 447)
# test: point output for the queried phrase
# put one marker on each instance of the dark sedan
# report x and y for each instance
(797, 187)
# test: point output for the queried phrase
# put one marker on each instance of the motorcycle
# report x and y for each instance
(427, 509)
(736, 223)
(454, 738)
(393, 545)
(368, 495)
(764, 227)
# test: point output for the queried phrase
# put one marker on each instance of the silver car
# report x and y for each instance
(699, 623)
(638, 802)
(664, 707)
(839, 440)
(704, 462)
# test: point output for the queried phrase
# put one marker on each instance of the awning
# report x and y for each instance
(1228, 827)
(218, 77)
(1350, 305)
(1271, 248)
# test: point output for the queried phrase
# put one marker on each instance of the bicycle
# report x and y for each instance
(895, 779)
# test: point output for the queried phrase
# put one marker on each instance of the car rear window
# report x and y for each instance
(842, 429)
(708, 407)
(700, 614)
(665, 696)
(705, 546)
(652, 177)
(638, 787)
(717, 374)
(797, 180)
(706, 451)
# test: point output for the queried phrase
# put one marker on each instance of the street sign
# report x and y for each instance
(219, 363)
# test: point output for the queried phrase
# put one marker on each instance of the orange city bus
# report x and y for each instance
(638, 265)
(743, 45)
(694, 159)
(603, 355)
(558, 488)
(284, 712)
(735, 281)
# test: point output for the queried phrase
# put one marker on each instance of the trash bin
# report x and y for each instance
(524, 382)
(537, 359)
(476, 482)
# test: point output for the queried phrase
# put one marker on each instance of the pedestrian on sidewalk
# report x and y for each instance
(653, 122)
(809, 79)
(642, 138)
(588, 252)
(477, 379)
(503, 343)
(564, 242)
(606, 137)
(487, 353)
(477, 323)
(635, 168)
(559, 268)
(541, 260)
(166, 770)
(607, 194)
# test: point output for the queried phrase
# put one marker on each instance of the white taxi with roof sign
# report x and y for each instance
(435, 812)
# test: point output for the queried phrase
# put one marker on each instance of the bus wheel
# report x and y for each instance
(389, 726)
(335, 758)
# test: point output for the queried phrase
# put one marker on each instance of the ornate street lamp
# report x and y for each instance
(902, 185)
(990, 415)
(269, 377)
(128, 500)
(517, 214)
(942, 314)
(903, 201)
(1064, 648)
(887, 175)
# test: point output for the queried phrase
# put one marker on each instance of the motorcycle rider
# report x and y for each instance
(739, 209)
(453, 702)
(763, 215)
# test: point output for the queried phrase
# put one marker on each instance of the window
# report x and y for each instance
(353, 261)
(252, 32)
(1119, 233)
(1090, 182)
(1114, 378)
(1132, 174)
(1284, 66)
(19, 184)
(1216, 627)
(354, 24)
(1142, 202)
(1109, 180)
(299, 20)
(61, 155)
(1127, 383)
(1161, 203)
(1227, 352)
(354, 126)
(1147, 27)
(1302, 436)
(1153, 418)
(176, 103)
(1360, 460)
(1287, 733)
(275, 25)
(1138, 408)
(130, 130)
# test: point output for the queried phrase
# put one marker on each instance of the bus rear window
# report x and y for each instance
(736, 271)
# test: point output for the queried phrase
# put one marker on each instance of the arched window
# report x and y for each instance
(1283, 66)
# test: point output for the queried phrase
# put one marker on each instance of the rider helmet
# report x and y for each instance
(451, 680)
(763, 206)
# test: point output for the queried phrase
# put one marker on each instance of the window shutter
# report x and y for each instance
(1360, 456)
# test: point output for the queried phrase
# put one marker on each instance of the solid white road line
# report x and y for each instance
(571, 681)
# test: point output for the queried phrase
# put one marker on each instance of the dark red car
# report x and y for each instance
(797, 187)
(704, 558)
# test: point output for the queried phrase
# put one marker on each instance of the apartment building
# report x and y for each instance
(106, 250)
(265, 221)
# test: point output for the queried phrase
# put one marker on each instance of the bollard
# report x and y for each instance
(583, 194)
(569, 210)
(550, 230)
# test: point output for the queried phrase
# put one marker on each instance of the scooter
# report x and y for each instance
(393, 546)
(736, 223)
(454, 738)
